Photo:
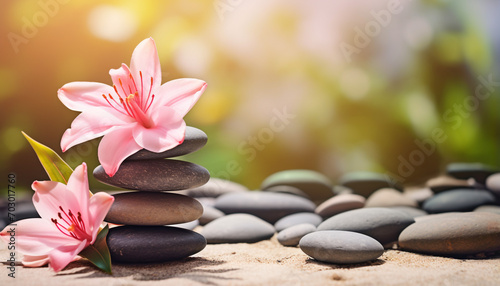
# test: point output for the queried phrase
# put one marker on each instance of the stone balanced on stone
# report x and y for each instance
(145, 214)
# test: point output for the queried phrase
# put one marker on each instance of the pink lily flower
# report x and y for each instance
(136, 113)
(70, 220)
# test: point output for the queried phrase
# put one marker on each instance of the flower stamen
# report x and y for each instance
(74, 226)
(149, 94)
(142, 88)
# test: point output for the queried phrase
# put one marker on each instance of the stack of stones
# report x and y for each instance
(146, 215)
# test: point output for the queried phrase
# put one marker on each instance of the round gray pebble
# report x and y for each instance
(292, 235)
(341, 247)
(237, 228)
(383, 224)
(298, 218)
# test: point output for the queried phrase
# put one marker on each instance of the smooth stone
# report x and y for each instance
(146, 208)
(266, 205)
(287, 190)
(365, 183)
(411, 211)
(237, 228)
(148, 244)
(341, 247)
(194, 140)
(433, 216)
(383, 224)
(339, 190)
(298, 218)
(291, 236)
(339, 204)
(155, 175)
(418, 194)
(187, 225)
(444, 183)
(465, 171)
(316, 185)
(488, 209)
(213, 188)
(456, 234)
(388, 197)
(458, 200)
(210, 214)
(493, 183)
(206, 201)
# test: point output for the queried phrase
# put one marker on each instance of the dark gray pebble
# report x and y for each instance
(155, 175)
(383, 224)
(194, 140)
(317, 186)
(458, 200)
(464, 171)
(148, 244)
(365, 183)
(266, 205)
(341, 247)
(237, 228)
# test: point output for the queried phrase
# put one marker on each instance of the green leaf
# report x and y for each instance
(56, 168)
(98, 253)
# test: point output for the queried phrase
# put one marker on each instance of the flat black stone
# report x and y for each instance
(155, 175)
(265, 205)
(365, 183)
(383, 224)
(194, 140)
(465, 171)
(147, 244)
(458, 200)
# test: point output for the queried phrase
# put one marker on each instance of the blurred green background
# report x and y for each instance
(366, 82)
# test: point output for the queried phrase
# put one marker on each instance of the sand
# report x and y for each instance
(268, 263)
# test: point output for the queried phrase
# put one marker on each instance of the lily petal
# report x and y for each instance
(125, 85)
(35, 261)
(91, 124)
(180, 94)
(78, 184)
(61, 256)
(115, 147)
(166, 135)
(145, 60)
(36, 237)
(99, 205)
(50, 196)
(79, 96)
